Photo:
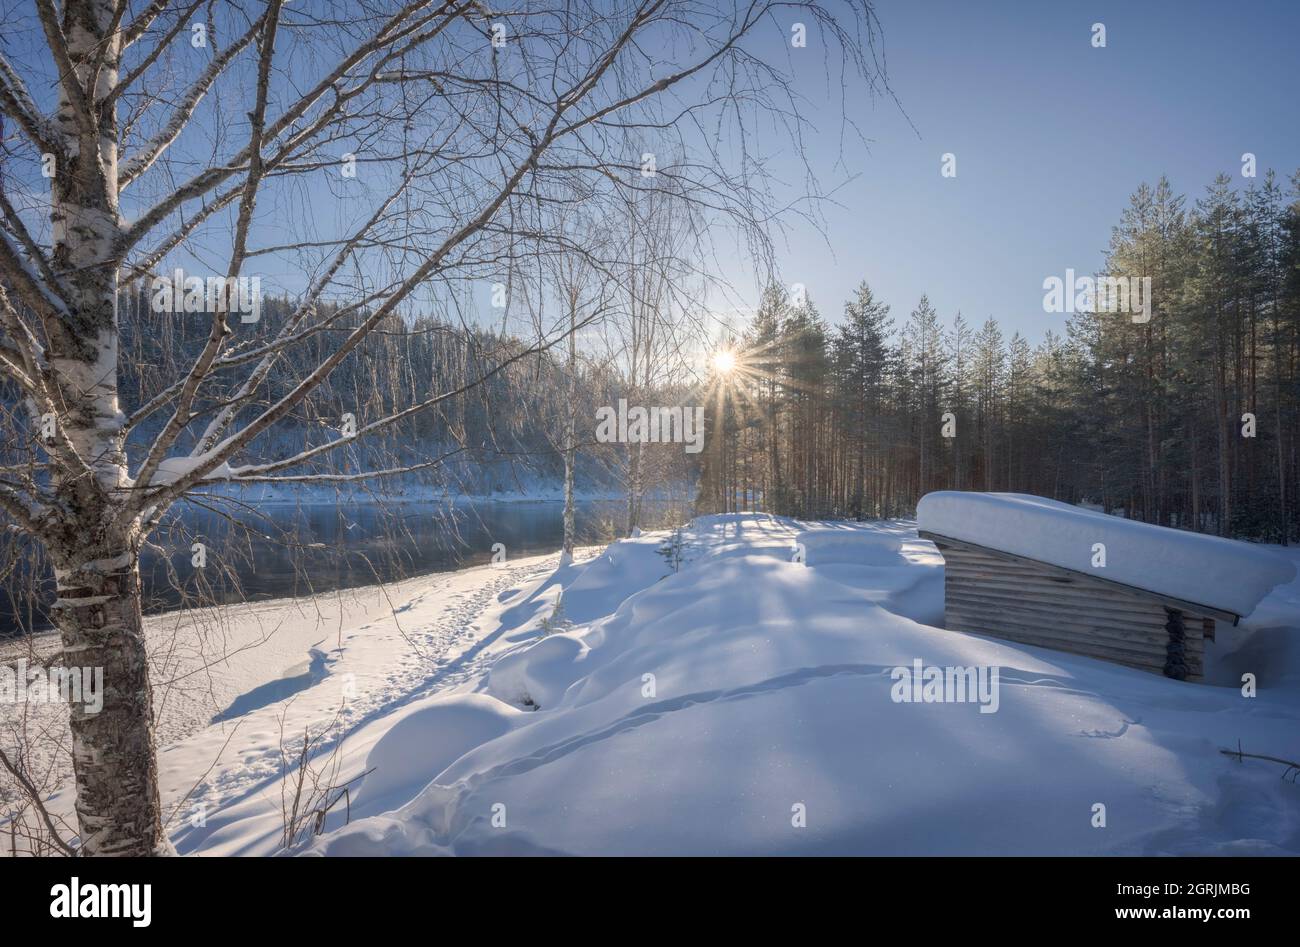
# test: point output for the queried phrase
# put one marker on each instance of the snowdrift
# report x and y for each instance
(738, 700)
(742, 705)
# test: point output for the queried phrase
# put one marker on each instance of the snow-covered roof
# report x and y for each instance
(1205, 570)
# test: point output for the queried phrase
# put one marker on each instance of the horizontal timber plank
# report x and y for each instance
(1144, 661)
(1045, 615)
(1037, 604)
(1048, 612)
(947, 544)
(1147, 661)
(961, 618)
(1065, 592)
(983, 568)
(1065, 606)
(1074, 613)
(1040, 585)
(1155, 638)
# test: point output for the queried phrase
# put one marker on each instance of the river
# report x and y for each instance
(289, 549)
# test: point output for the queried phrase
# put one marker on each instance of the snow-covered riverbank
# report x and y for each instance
(744, 702)
(217, 669)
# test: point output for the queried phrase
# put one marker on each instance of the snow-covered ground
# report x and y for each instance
(217, 671)
(743, 703)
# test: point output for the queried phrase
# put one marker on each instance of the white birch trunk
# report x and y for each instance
(570, 443)
(95, 556)
(634, 491)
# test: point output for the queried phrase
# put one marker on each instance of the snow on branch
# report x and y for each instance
(22, 510)
(17, 102)
(34, 252)
(23, 277)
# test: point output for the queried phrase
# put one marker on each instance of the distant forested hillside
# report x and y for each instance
(500, 436)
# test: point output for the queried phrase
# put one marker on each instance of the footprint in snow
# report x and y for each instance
(1109, 734)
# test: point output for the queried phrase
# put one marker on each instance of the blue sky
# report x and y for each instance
(1051, 137)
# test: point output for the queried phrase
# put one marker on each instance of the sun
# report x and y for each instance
(724, 362)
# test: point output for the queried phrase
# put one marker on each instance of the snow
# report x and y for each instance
(172, 469)
(427, 737)
(285, 662)
(538, 676)
(771, 691)
(741, 704)
(1203, 570)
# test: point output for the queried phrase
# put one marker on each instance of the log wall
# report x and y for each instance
(992, 593)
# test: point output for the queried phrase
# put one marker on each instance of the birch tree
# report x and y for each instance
(380, 150)
(661, 295)
(585, 298)
(583, 290)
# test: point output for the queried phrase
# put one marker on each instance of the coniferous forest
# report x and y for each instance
(1190, 419)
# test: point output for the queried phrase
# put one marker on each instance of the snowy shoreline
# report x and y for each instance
(287, 503)
(268, 649)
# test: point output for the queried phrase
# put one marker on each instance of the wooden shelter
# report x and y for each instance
(995, 593)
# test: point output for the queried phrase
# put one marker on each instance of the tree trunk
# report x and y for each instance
(634, 490)
(113, 750)
(96, 556)
(776, 501)
(570, 443)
